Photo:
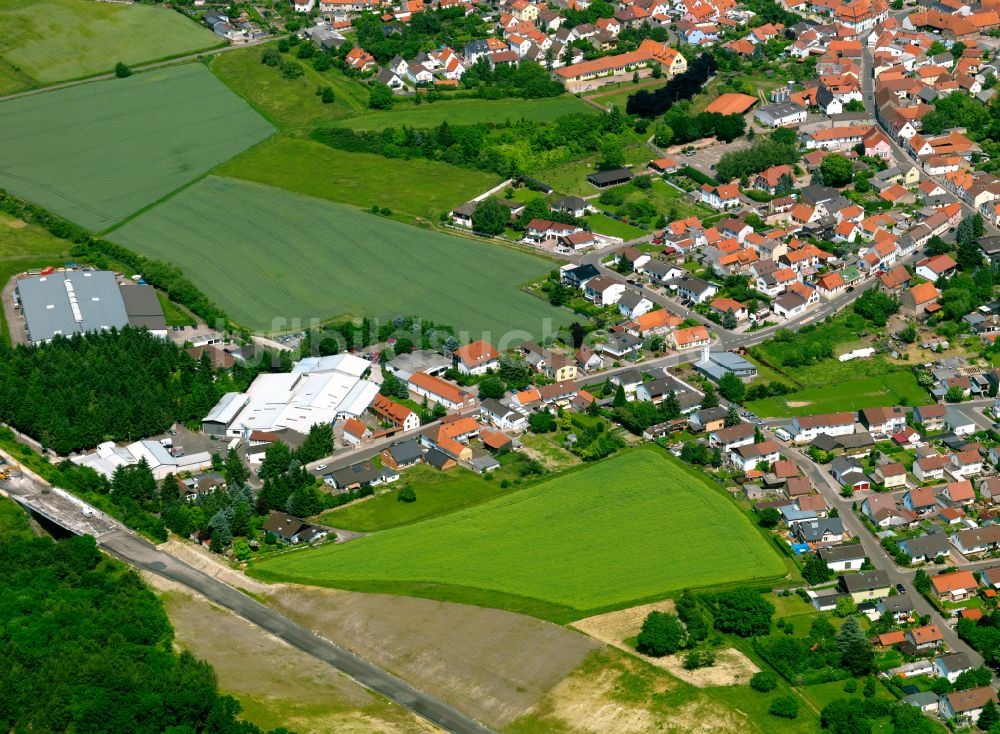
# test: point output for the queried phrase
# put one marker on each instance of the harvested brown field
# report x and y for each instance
(491, 664)
(277, 684)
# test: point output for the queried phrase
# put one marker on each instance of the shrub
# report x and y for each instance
(765, 681)
(406, 494)
(786, 707)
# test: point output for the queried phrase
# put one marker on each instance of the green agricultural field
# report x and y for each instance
(891, 388)
(420, 188)
(289, 103)
(637, 526)
(269, 256)
(96, 153)
(55, 40)
(468, 111)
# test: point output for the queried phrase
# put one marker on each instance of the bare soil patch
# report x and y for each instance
(17, 224)
(491, 664)
(214, 566)
(731, 666)
(798, 403)
(613, 692)
(616, 627)
(277, 684)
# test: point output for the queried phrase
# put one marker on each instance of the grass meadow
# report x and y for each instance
(97, 153)
(417, 188)
(891, 388)
(636, 526)
(268, 255)
(46, 41)
(291, 104)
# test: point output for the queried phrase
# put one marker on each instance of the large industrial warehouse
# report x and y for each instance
(71, 302)
(317, 390)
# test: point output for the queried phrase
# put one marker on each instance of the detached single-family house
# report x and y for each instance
(931, 417)
(957, 586)
(747, 457)
(952, 665)
(923, 638)
(973, 541)
(603, 290)
(476, 358)
(292, 529)
(840, 558)
(930, 468)
(883, 422)
(966, 705)
(891, 475)
(926, 547)
(921, 499)
(866, 585)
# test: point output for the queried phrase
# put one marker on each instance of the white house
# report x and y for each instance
(806, 428)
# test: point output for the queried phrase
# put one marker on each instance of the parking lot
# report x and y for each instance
(707, 157)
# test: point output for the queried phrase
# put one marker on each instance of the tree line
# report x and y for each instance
(651, 104)
(510, 148)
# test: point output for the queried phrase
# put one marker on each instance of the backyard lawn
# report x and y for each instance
(96, 153)
(437, 493)
(55, 40)
(603, 224)
(269, 257)
(637, 526)
(418, 188)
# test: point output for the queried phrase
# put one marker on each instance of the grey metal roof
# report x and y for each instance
(142, 306)
(70, 303)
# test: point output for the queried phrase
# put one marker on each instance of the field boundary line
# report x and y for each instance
(153, 205)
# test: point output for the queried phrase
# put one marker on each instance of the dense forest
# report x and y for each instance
(73, 393)
(85, 647)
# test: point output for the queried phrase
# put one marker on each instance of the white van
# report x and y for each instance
(782, 434)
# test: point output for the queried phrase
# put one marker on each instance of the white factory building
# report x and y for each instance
(108, 457)
(317, 390)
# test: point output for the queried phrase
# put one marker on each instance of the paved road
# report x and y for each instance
(67, 511)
